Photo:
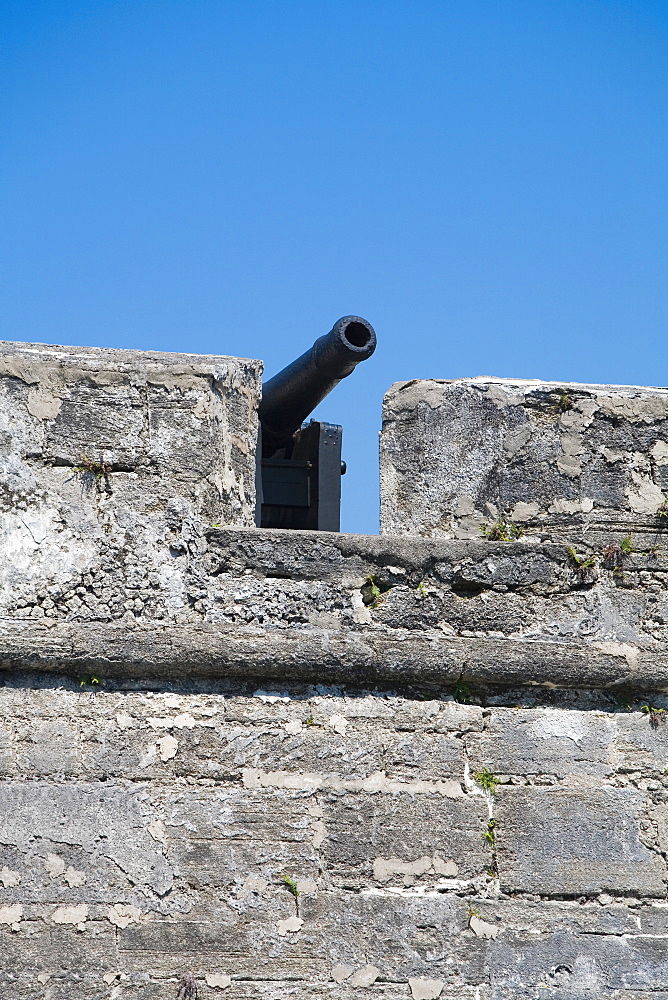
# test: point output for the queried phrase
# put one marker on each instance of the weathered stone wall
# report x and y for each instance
(319, 710)
(554, 458)
(109, 460)
(147, 834)
(299, 765)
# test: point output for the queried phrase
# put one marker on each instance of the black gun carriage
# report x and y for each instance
(299, 485)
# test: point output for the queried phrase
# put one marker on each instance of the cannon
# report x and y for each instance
(299, 481)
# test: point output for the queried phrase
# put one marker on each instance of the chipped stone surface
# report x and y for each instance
(9, 878)
(11, 914)
(168, 746)
(426, 989)
(121, 915)
(385, 869)
(458, 456)
(218, 980)
(289, 926)
(342, 972)
(482, 928)
(71, 915)
(365, 976)
(111, 461)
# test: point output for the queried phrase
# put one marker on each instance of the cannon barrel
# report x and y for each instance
(289, 397)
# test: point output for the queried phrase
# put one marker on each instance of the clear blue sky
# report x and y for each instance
(485, 180)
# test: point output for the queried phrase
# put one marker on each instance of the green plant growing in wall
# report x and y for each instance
(98, 472)
(292, 888)
(585, 566)
(290, 885)
(486, 779)
(90, 680)
(422, 590)
(501, 531)
(462, 693)
(581, 562)
(656, 715)
(490, 833)
(663, 508)
(565, 403)
(88, 466)
(471, 912)
(373, 591)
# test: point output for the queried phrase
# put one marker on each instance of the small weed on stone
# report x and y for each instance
(627, 545)
(486, 780)
(501, 531)
(490, 833)
(462, 693)
(657, 716)
(292, 888)
(373, 591)
(89, 471)
(585, 567)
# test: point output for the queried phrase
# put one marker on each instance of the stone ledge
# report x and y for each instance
(395, 658)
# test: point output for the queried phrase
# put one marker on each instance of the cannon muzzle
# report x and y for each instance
(289, 397)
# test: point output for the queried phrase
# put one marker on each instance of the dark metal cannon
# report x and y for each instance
(301, 468)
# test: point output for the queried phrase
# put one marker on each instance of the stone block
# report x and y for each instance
(458, 457)
(545, 741)
(575, 842)
(638, 745)
(238, 839)
(378, 837)
(578, 966)
(110, 461)
(97, 830)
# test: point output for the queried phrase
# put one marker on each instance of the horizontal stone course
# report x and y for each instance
(485, 612)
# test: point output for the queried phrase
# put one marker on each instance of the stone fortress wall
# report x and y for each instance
(263, 764)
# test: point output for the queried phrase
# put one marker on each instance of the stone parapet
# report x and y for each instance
(105, 455)
(550, 459)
